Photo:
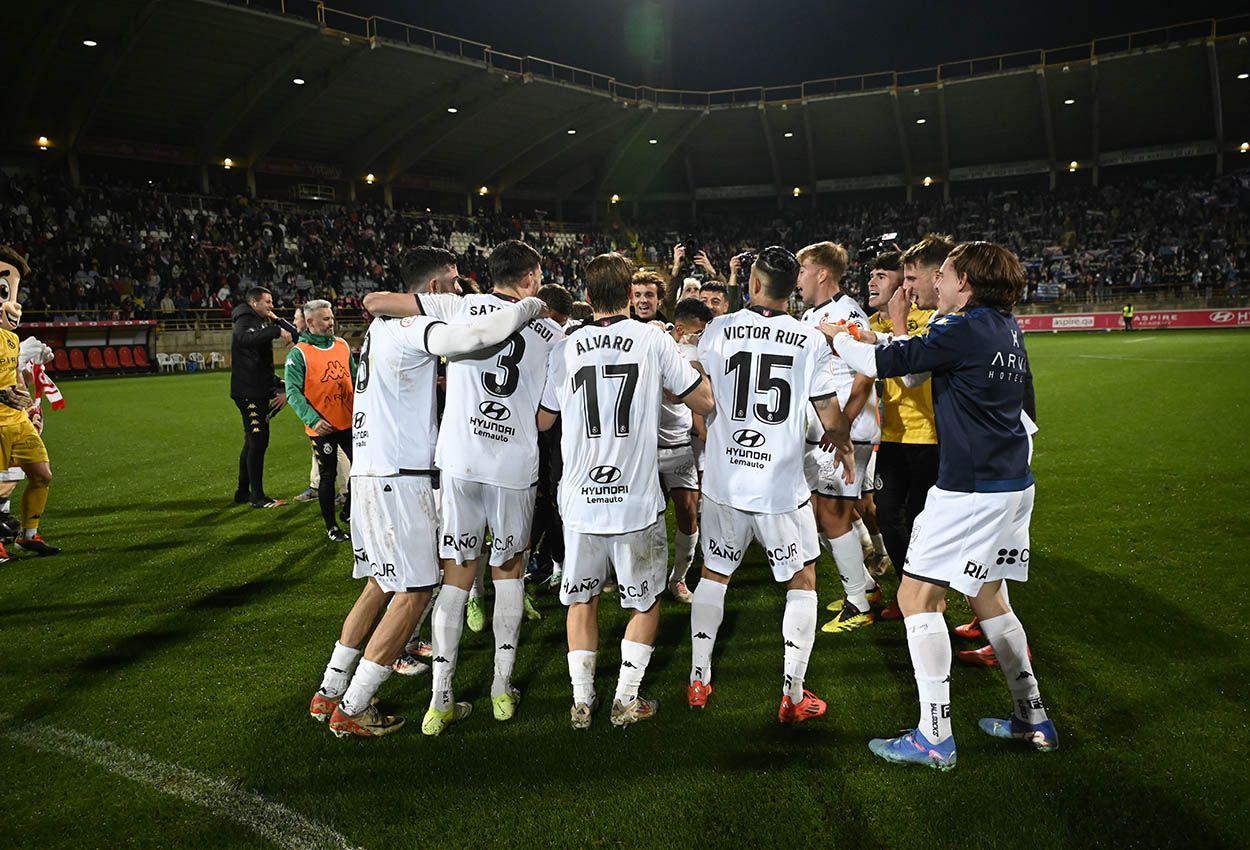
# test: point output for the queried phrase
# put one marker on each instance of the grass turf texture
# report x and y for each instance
(195, 631)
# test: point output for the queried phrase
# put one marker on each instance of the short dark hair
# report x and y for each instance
(468, 286)
(581, 311)
(424, 261)
(10, 256)
(714, 286)
(778, 271)
(608, 278)
(994, 273)
(256, 293)
(559, 299)
(890, 261)
(930, 251)
(691, 310)
(509, 262)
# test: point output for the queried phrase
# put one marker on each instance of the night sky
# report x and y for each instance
(708, 44)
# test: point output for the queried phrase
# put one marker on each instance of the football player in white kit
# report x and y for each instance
(821, 267)
(395, 517)
(488, 455)
(766, 368)
(679, 474)
(606, 380)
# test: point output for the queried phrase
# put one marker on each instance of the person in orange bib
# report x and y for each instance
(319, 387)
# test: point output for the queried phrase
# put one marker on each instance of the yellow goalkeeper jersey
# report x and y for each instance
(906, 414)
(8, 374)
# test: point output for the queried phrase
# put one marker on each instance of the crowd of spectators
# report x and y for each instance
(133, 252)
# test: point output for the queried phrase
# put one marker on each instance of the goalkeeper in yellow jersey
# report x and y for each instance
(20, 443)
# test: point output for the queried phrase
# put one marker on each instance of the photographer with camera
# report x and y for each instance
(689, 279)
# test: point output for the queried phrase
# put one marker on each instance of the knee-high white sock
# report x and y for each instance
(634, 660)
(931, 658)
(683, 554)
(849, 558)
(1011, 646)
(479, 583)
(339, 671)
(706, 612)
(865, 539)
(582, 675)
(446, 626)
(798, 631)
(369, 677)
(509, 602)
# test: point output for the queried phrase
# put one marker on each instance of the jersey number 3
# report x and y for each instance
(510, 364)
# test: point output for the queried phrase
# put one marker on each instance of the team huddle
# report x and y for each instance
(757, 425)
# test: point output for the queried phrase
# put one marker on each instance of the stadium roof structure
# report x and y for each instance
(294, 87)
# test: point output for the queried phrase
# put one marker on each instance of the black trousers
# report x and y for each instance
(906, 472)
(255, 413)
(547, 531)
(326, 449)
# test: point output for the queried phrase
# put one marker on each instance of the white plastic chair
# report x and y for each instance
(216, 359)
(177, 361)
(196, 357)
(164, 362)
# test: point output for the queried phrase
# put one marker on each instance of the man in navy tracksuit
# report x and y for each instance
(974, 530)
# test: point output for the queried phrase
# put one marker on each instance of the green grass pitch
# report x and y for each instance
(190, 630)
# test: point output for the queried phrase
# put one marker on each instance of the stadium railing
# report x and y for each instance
(369, 29)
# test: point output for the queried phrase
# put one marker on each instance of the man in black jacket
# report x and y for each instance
(256, 389)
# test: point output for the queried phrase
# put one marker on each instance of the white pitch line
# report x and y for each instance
(1139, 339)
(274, 821)
(1145, 359)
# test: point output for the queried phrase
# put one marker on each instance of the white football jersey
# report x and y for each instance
(676, 420)
(606, 379)
(866, 428)
(766, 368)
(394, 425)
(489, 433)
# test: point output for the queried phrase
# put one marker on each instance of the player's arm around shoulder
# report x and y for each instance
(394, 304)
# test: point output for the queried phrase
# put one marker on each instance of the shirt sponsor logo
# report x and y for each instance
(749, 439)
(494, 410)
(358, 421)
(605, 474)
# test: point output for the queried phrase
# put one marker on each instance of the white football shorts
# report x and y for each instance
(824, 473)
(677, 469)
(639, 558)
(963, 540)
(469, 507)
(395, 531)
(789, 540)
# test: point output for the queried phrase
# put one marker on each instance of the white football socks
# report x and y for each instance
(339, 671)
(369, 677)
(479, 583)
(1011, 646)
(930, 647)
(509, 605)
(582, 675)
(446, 626)
(634, 660)
(849, 558)
(865, 539)
(798, 631)
(706, 612)
(683, 554)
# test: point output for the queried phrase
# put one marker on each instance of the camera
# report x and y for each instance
(745, 260)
